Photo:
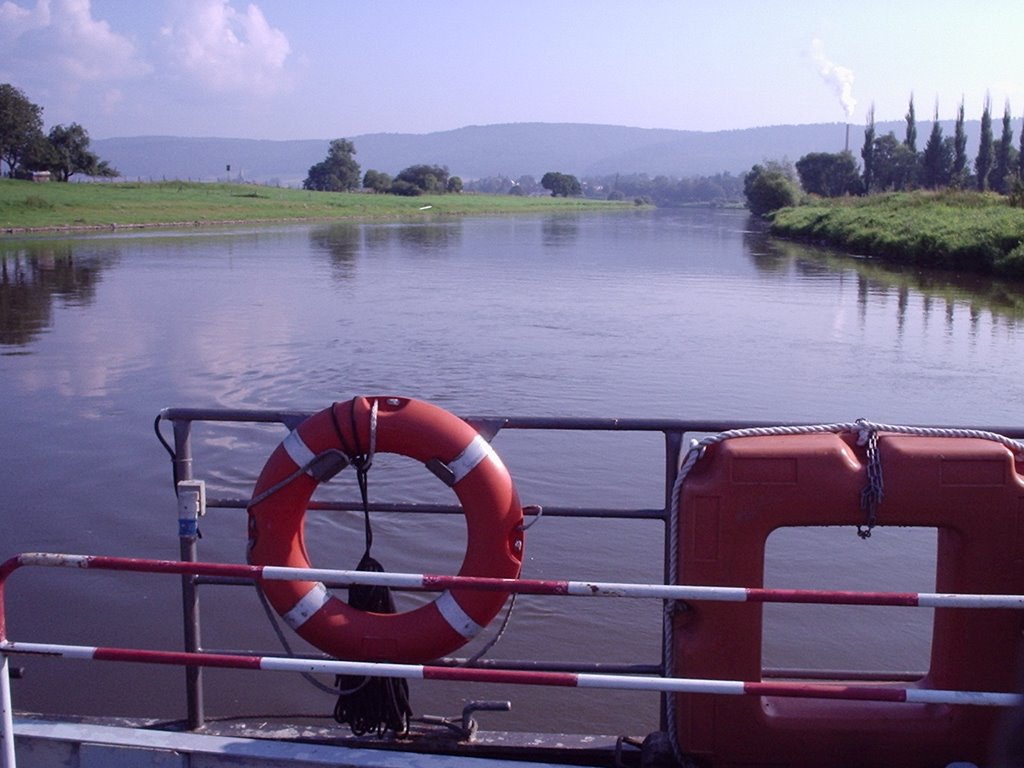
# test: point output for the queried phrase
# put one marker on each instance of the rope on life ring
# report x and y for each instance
(320, 447)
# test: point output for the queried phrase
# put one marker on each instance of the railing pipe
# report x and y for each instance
(293, 418)
(450, 509)
(517, 677)
(439, 582)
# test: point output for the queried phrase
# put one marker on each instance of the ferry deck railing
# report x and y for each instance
(673, 432)
(657, 683)
(195, 658)
(182, 420)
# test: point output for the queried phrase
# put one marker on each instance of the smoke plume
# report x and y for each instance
(838, 78)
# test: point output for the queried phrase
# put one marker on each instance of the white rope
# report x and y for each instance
(861, 427)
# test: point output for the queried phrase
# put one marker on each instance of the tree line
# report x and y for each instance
(891, 164)
(25, 149)
(661, 191)
(339, 172)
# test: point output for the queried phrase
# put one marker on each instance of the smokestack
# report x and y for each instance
(847, 148)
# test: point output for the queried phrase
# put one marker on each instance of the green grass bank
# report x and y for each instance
(26, 206)
(953, 230)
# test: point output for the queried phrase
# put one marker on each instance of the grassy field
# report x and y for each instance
(963, 231)
(25, 206)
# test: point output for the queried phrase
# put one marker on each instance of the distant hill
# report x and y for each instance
(491, 150)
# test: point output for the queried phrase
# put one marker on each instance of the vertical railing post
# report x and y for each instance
(191, 505)
(673, 455)
(8, 711)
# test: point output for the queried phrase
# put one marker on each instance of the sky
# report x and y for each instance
(322, 69)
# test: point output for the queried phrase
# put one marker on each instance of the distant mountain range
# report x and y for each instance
(511, 150)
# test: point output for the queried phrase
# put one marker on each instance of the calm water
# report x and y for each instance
(684, 314)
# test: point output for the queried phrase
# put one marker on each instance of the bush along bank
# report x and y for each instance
(951, 230)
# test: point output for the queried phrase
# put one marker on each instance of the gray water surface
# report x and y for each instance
(668, 314)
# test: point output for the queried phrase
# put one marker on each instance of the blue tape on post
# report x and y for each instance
(187, 527)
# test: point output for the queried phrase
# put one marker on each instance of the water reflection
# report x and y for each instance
(560, 230)
(33, 275)
(879, 281)
(430, 237)
(345, 241)
(434, 236)
(342, 242)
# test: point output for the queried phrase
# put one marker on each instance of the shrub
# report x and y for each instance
(405, 188)
(769, 188)
(1012, 263)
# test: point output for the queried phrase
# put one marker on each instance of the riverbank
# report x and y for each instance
(960, 231)
(28, 207)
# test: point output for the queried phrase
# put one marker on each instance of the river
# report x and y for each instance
(659, 314)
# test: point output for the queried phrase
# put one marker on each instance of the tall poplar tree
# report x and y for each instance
(960, 149)
(983, 162)
(910, 142)
(1020, 158)
(911, 138)
(1004, 153)
(935, 162)
(867, 152)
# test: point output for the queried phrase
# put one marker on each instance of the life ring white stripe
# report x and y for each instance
(297, 450)
(477, 450)
(457, 618)
(309, 604)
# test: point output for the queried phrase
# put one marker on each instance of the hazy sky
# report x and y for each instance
(294, 69)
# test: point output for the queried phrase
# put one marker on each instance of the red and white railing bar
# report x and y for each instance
(435, 582)
(520, 677)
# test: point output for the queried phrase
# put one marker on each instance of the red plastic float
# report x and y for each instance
(969, 489)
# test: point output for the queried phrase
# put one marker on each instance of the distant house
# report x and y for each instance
(40, 176)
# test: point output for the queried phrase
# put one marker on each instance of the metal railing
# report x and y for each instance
(672, 431)
(193, 501)
(664, 684)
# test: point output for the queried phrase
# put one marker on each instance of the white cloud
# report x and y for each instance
(229, 50)
(16, 20)
(62, 35)
(91, 50)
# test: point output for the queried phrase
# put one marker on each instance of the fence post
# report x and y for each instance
(8, 711)
(191, 506)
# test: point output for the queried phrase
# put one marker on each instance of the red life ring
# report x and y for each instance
(420, 431)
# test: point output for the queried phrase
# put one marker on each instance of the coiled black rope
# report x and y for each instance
(369, 704)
